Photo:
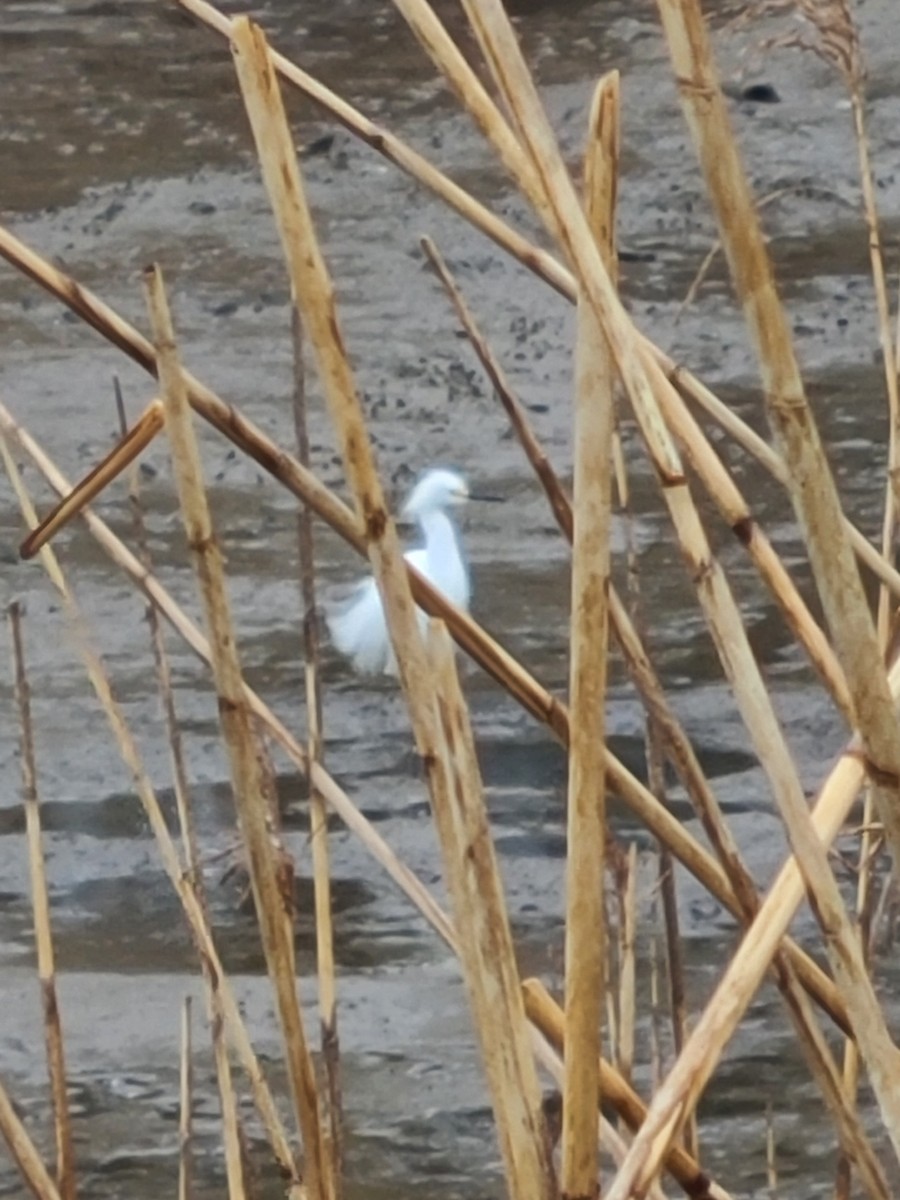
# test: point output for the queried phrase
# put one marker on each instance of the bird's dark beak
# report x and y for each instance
(487, 499)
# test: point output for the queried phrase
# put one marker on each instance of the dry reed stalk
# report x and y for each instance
(446, 56)
(559, 501)
(190, 851)
(487, 951)
(40, 903)
(548, 1018)
(517, 1105)
(231, 1126)
(185, 1114)
(397, 152)
(639, 799)
(24, 1152)
(136, 440)
(585, 933)
(626, 889)
(274, 903)
(193, 908)
(498, 41)
(318, 814)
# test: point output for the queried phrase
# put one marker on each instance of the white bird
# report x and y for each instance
(358, 629)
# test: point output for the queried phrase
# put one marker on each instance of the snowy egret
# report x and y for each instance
(358, 628)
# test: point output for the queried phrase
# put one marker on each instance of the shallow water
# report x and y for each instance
(126, 142)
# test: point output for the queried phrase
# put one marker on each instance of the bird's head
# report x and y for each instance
(436, 491)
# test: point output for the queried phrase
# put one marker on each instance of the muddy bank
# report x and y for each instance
(105, 168)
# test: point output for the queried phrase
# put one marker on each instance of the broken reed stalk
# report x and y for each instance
(589, 621)
(318, 813)
(185, 1112)
(194, 910)
(271, 886)
(40, 904)
(487, 951)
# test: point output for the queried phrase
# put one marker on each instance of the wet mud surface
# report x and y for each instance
(126, 142)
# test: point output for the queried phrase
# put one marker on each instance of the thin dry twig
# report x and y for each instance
(40, 902)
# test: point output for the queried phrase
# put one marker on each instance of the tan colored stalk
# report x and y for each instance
(528, 1166)
(660, 822)
(40, 903)
(586, 800)
(314, 293)
(24, 1152)
(486, 945)
(185, 1114)
(193, 908)
(136, 440)
(812, 488)
(318, 814)
(626, 886)
(273, 903)
(231, 1128)
(446, 56)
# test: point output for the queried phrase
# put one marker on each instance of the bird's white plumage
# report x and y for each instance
(358, 628)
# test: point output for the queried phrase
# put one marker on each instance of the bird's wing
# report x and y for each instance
(359, 631)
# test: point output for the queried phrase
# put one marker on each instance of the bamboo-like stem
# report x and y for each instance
(273, 902)
(318, 815)
(24, 1152)
(586, 801)
(486, 946)
(40, 903)
(660, 822)
(193, 908)
(185, 1115)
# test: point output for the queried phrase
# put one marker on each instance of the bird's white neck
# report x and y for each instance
(445, 563)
